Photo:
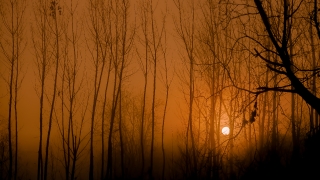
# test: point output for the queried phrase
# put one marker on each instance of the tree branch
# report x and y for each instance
(266, 23)
(276, 70)
(267, 60)
(263, 89)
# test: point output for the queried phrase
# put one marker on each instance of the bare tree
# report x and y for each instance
(106, 55)
(145, 67)
(47, 51)
(55, 13)
(209, 52)
(12, 16)
(314, 115)
(42, 62)
(279, 38)
(153, 45)
(167, 83)
(74, 100)
(99, 61)
(122, 42)
(186, 32)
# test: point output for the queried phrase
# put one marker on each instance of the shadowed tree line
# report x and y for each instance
(106, 76)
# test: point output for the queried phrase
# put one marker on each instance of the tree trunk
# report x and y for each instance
(314, 114)
(299, 88)
(42, 66)
(97, 79)
(146, 41)
(54, 89)
(11, 91)
(121, 45)
(263, 118)
(155, 59)
(163, 119)
(121, 136)
(274, 117)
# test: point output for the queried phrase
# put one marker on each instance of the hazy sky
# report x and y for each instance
(176, 57)
(28, 100)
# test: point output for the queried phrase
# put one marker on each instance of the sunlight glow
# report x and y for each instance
(225, 130)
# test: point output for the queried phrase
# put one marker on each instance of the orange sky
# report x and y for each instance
(28, 107)
(28, 103)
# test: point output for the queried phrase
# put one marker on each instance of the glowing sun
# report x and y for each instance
(225, 130)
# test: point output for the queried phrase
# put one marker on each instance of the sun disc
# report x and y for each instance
(225, 130)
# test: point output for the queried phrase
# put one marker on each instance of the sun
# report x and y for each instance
(225, 130)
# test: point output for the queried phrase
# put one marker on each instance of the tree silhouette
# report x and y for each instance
(12, 46)
(281, 43)
(102, 74)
